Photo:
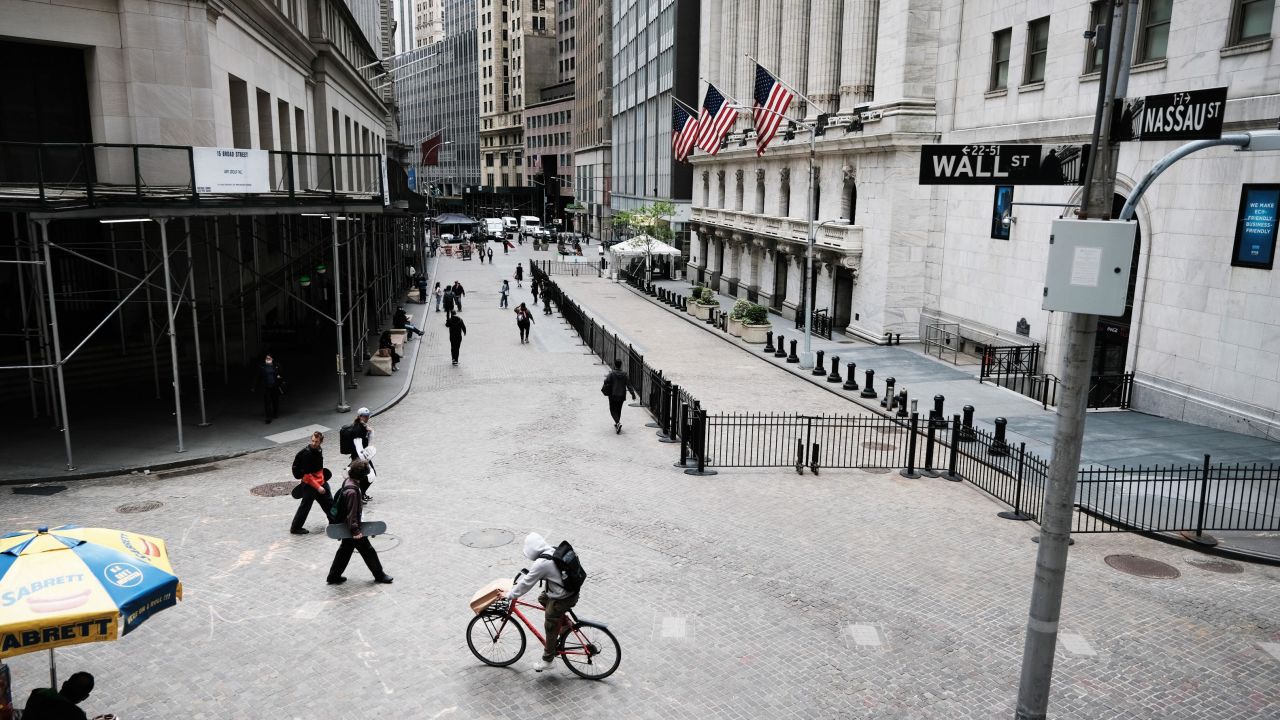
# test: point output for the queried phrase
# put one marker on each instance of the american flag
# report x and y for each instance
(715, 120)
(772, 101)
(684, 130)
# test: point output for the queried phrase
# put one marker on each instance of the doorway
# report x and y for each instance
(842, 304)
(780, 263)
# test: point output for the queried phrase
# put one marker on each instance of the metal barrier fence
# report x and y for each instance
(1170, 498)
(565, 267)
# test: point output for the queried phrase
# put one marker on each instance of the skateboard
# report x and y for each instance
(339, 531)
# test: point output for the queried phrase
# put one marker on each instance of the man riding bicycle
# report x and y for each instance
(555, 599)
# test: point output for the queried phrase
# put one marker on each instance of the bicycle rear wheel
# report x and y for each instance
(590, 651)
(495, 638)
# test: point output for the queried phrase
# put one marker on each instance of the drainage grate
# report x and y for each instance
(139, 507)
(1142, 567)
(39, 490)
(1225, 567)
(187, 471)
(486, 538)
(881, 446)
(276, 489)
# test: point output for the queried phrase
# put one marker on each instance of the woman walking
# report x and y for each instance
(439, 294)
(537, 285)
(519, 274)
(503, 292)
(523, 320)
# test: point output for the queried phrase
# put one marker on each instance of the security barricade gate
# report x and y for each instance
(800, 441)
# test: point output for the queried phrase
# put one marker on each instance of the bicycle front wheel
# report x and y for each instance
(495, 639)
(590, 651)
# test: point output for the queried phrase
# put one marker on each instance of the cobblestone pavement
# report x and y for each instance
(755, 594)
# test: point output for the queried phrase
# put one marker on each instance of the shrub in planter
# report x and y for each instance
(708, 297)
(695, 294)
(706, 302)
(755, 324)
(735, 317)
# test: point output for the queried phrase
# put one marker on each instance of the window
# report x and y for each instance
(1153, 37)
(1037, 50)
(1000, 59)
(1251, 20)
(1093, 51)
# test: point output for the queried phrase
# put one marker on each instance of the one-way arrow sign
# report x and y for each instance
(1003, 164)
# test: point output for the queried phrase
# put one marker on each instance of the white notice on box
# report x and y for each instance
(1086, 263)
(231, 170)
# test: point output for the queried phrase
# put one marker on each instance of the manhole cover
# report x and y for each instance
(139, 507)
(1225, 567)
(881, 446)
(1142, 567)
(385, 542)
(39, 490)
(273, 489)
(486, 538)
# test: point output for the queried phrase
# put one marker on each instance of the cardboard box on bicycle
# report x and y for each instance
(489, 594)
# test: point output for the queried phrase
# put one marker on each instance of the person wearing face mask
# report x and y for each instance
(271, 380)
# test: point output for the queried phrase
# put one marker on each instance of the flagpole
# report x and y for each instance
(686, 106)
(784, 83)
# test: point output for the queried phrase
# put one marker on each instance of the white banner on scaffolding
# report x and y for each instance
(231, 170)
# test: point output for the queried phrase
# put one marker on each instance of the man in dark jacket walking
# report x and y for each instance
(308, 467)
(448, 301)
(348, 500)
(615, 387)
(457, 329)
(458, 292)
(271, 380)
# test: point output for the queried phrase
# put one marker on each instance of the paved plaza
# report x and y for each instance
(749, 594)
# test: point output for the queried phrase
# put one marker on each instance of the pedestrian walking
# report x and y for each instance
(519, 274)
(490, 251)
(439, 295)
(616, 388)
(271, 380)
(536, 285)
(546, 304)
(422, 289)
(458, 292)
(524, 319)
(448, 302)
(503, 292)
(506, 246)
(457, 329)
(350, 513)
(354, 441)
(480, 252)
(308, 467)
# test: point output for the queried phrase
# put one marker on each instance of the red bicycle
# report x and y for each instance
(587, 648)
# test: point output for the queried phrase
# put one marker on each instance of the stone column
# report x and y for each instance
(795, 276)
(858, 60)
(709, 32)
(726, 78)
(764, 280)
(824, 268)
(745, 75)
(794, 68)
(768, 34)
(824, 57)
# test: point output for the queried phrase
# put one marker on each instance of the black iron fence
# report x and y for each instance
(565, 267)
(1190, 498)
(821, 323)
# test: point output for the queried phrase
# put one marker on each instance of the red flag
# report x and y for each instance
(431, 149)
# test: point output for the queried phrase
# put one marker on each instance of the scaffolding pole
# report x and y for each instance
(244, 343)
(46, 354)
(350, 321)
(151, 320)
(173, 338)
(26, 330)
(337, 319)
(115, 281)
(57, 345)
(195, 323)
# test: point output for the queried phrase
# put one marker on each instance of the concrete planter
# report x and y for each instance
(735, 327)
(755, 333)
(702, 312)
(690, 306)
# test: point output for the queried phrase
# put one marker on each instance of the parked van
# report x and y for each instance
(530, 225)
(510, 223)
(493, 227)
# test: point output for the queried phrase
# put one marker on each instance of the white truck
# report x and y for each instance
(493, 227)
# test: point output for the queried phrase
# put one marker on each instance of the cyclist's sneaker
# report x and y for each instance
(541, 665)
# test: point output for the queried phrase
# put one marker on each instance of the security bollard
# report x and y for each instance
(834, 377)
(818, 367)
(902, 403)
(951, 473)
(928, 470)
(886, 401)
(897, 339)
(768, 342)
(966, 433)
(852, 382)
(999, 446)
(869, 386)
(910, 471)
(782, 350)
(935, 415)
(711, 317)
(793, 357)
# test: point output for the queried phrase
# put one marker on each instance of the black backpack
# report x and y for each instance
(297, 465)
(338, 508)
(347, 439)
(566, 559)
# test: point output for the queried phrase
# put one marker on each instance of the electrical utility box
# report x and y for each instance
(1089, 263)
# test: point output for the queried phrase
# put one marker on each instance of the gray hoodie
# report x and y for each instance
(541, 569)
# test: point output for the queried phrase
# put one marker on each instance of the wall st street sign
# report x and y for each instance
(1190, 115)
(1003, 164)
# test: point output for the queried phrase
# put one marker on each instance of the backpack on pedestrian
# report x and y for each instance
(347, 439)
(338, 508)
(297, 465)
(572, 576)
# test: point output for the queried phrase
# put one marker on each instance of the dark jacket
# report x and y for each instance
(523, 317)
(269, 376)
(457, 328)
(458, 291)
(307, 461)
(616, 381)
(448, 298)
(46, 704)
(400, 320)
(350, 494)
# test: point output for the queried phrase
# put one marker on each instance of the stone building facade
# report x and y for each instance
(1201, 337)
(593, 114)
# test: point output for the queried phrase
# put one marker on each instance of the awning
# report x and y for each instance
(641, 245)
(453, 219)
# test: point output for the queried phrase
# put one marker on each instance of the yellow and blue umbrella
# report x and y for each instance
(73, 585)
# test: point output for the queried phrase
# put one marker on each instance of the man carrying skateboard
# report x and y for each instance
(349, 509)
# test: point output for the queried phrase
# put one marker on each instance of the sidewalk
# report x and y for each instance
(139, 435)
